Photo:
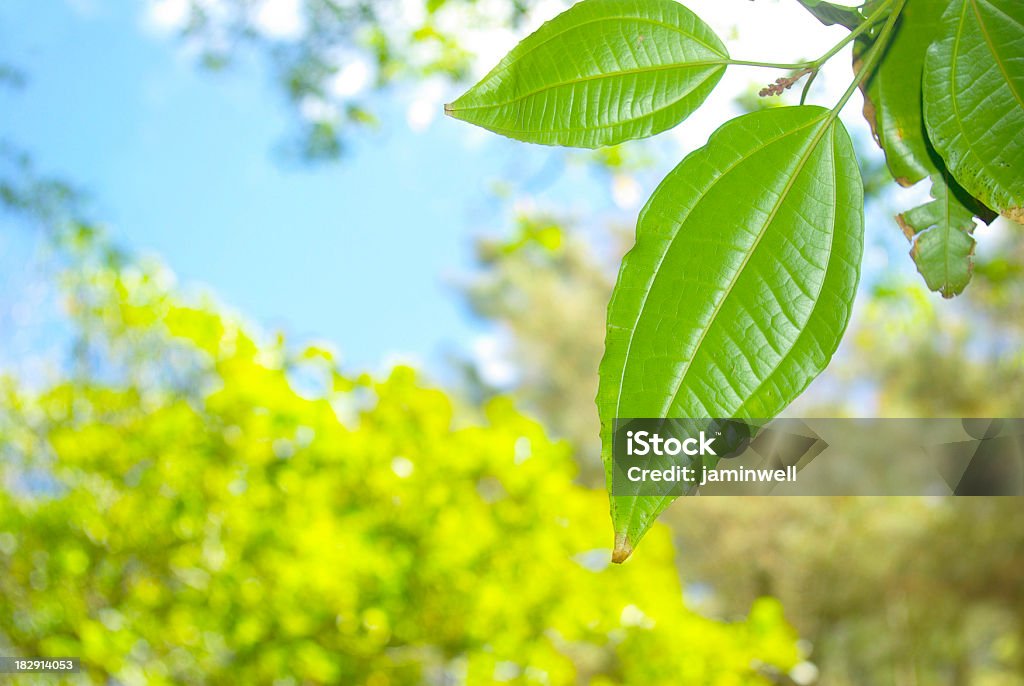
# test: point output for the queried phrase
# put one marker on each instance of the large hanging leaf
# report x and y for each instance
(974, 99)
(603, 72)
(941, 236)
(892, 95)
(740, 284)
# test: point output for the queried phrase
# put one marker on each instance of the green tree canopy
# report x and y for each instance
(196, 504)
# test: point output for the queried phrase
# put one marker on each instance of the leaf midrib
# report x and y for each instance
(596, 127)
(801, 163)
(661, 259)
(824, 279)
(947, 215)
(592, 77)
(957, 38)
(657, 266)
(992, 49)
(835, 220)
(828, 119)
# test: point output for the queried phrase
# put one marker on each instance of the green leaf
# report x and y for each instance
(939, 230)
(941, 236)
(892, 95)
(974, 99)
(603, 72)
(830, 14)
(740, 284)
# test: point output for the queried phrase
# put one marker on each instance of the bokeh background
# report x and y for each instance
(297, 376)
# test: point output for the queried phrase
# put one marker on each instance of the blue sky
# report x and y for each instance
(180, 162)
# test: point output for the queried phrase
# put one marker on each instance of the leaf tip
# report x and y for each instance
(449, 109)
(623, 548)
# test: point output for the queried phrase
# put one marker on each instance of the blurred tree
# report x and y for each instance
(887, 590)
(959, 359)
(329, 56)
(42, 201)
(547, 289)
(195, 505)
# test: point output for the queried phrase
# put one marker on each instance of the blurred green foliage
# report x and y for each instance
(547, 289)
(938, 359)
(40, 200)
(196, 505)
(888, 591)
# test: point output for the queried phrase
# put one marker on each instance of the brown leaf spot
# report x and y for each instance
(1014, 214)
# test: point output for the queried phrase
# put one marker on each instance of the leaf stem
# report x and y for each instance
(871, 20)
(815, 65)
(873, 55)
(769, 65)
(807, 87)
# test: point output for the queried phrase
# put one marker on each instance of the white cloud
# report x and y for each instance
(421, 114)
(427, 103)
(166, 16)
(316, 109)
(350, 80)
(488, 47)
(281, 19)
